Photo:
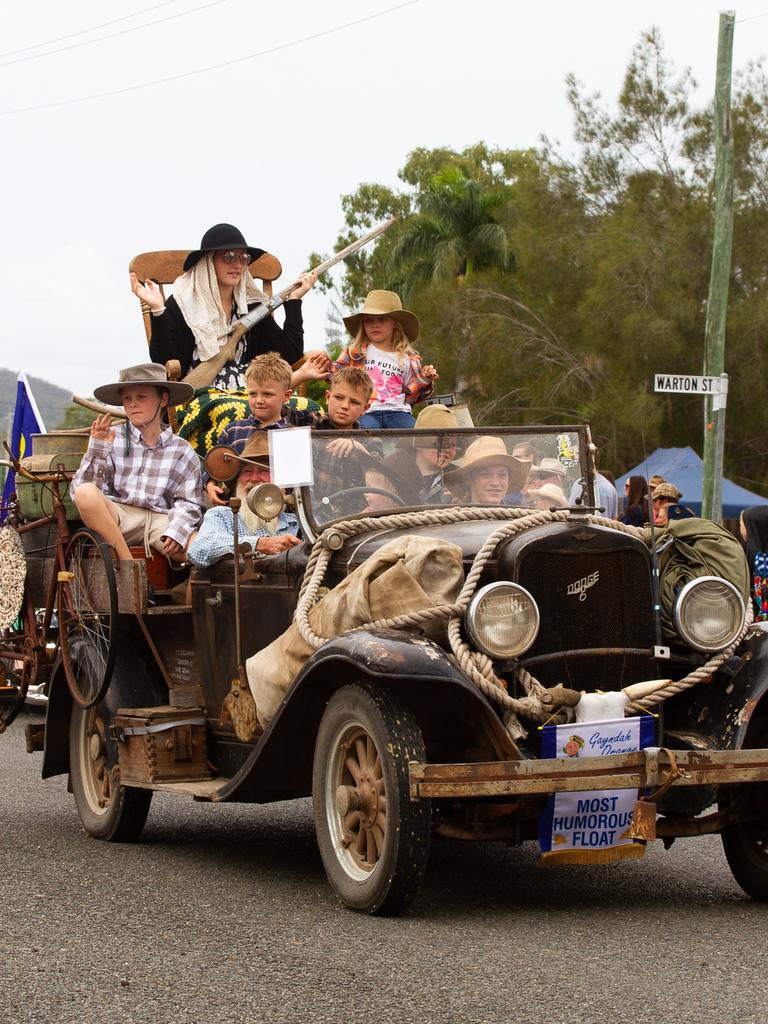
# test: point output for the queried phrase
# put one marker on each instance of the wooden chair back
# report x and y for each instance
(164, 267)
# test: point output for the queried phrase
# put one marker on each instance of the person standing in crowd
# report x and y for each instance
(637, 511)
(666, 505)
(605, 492)
(214, 289)
(753, 524)
(383, 334)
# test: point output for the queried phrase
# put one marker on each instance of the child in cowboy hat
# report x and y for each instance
(488, 472)
(216, 287)
(383, 334)
(139, 482)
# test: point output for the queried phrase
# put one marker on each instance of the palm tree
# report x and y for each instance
(454, 234)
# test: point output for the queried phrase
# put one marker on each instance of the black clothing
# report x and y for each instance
(756, 523)
(635, 515)
(172, 338)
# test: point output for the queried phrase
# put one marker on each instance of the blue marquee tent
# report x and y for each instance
(684, 468)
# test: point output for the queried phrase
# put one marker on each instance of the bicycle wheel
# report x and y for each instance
(87, 608)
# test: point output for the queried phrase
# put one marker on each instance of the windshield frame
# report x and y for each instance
(303, 495)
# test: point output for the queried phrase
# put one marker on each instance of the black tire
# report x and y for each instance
(375, 846)
(746, 845)
(87, 610)
(107, 810)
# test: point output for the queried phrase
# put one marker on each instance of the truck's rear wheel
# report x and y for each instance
(107, 810)
(373, 840)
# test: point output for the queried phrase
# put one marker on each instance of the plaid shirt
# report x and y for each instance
(235, 435)
(217, 536)
(416, 390)
(165, 478)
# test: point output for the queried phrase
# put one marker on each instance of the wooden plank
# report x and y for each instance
(558, 775)
(205, 789)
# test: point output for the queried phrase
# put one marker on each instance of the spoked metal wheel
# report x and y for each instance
(87, 608)
(746, 844)
(18, 670)
(106, 809)
(374, 841)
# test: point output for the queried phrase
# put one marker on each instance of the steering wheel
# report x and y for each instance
(362, 490)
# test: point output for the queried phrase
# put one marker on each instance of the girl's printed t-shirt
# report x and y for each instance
(389, 377)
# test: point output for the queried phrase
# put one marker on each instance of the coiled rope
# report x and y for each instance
(537, 703)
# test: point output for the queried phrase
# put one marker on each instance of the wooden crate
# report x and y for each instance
(162, 744)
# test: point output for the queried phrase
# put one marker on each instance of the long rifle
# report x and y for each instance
(204, 374)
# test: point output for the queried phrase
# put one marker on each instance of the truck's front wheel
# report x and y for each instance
(373, 839)
(746, 844)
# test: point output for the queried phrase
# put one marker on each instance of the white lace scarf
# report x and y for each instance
(197, 295)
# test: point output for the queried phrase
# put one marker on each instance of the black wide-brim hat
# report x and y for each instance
(221, 236)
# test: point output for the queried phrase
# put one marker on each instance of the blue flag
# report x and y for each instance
(26, 422)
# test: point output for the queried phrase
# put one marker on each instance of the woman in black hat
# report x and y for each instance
(214, 288)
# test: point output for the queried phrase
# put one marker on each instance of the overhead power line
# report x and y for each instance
(111, 35)
(85, 31)
(211, 67)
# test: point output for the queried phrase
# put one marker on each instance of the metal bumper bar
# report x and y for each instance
(645, 768)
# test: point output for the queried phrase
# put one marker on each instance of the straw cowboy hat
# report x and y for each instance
(145, 373)
(489, 451)
(223, 463)
(553, 494)
(548, 467)
(666, 490)
(381, 303)
(221, 237)
(434, 417)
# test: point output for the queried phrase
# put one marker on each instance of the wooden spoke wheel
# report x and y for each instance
(374, 841)
(107, 810)
(87, 610)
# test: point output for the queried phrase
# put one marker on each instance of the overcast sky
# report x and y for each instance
(268, 143)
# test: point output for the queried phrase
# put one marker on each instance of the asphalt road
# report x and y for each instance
(222, 914)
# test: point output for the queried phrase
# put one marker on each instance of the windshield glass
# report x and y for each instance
(382, 471)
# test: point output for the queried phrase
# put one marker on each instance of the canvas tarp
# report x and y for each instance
(697, 548)
(406, 575)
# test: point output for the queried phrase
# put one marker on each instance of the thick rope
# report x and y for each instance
(478, 667)
(536, 705)
(699, 675)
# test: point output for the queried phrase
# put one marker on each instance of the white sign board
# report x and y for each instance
(290, 457)
(676, 384)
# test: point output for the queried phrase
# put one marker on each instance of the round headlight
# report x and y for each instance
(503, 620)
(709, 613)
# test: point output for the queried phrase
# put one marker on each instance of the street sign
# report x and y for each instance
(677, 384)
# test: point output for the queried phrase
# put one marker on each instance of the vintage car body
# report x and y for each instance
(433, 753)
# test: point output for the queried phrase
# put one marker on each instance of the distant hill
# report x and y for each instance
(52, 401)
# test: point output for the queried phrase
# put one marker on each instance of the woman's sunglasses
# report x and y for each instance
(243, 258)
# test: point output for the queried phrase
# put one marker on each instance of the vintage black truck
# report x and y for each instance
(416, 724)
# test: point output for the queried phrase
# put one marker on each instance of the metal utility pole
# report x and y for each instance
(717, 305)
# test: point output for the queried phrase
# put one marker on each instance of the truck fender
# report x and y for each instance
(420, 672)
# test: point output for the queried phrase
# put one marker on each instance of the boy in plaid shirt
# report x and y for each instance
(138, 482)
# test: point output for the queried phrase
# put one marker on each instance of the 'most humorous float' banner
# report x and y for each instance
(586, 828)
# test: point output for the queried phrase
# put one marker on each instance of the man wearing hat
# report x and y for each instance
(666, 507)
(266, 537)
(216, 286)
(488, 472)
(138, 482)
(420, 462)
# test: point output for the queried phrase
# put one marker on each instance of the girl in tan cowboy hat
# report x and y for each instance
(489, 472)
(383, 333)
